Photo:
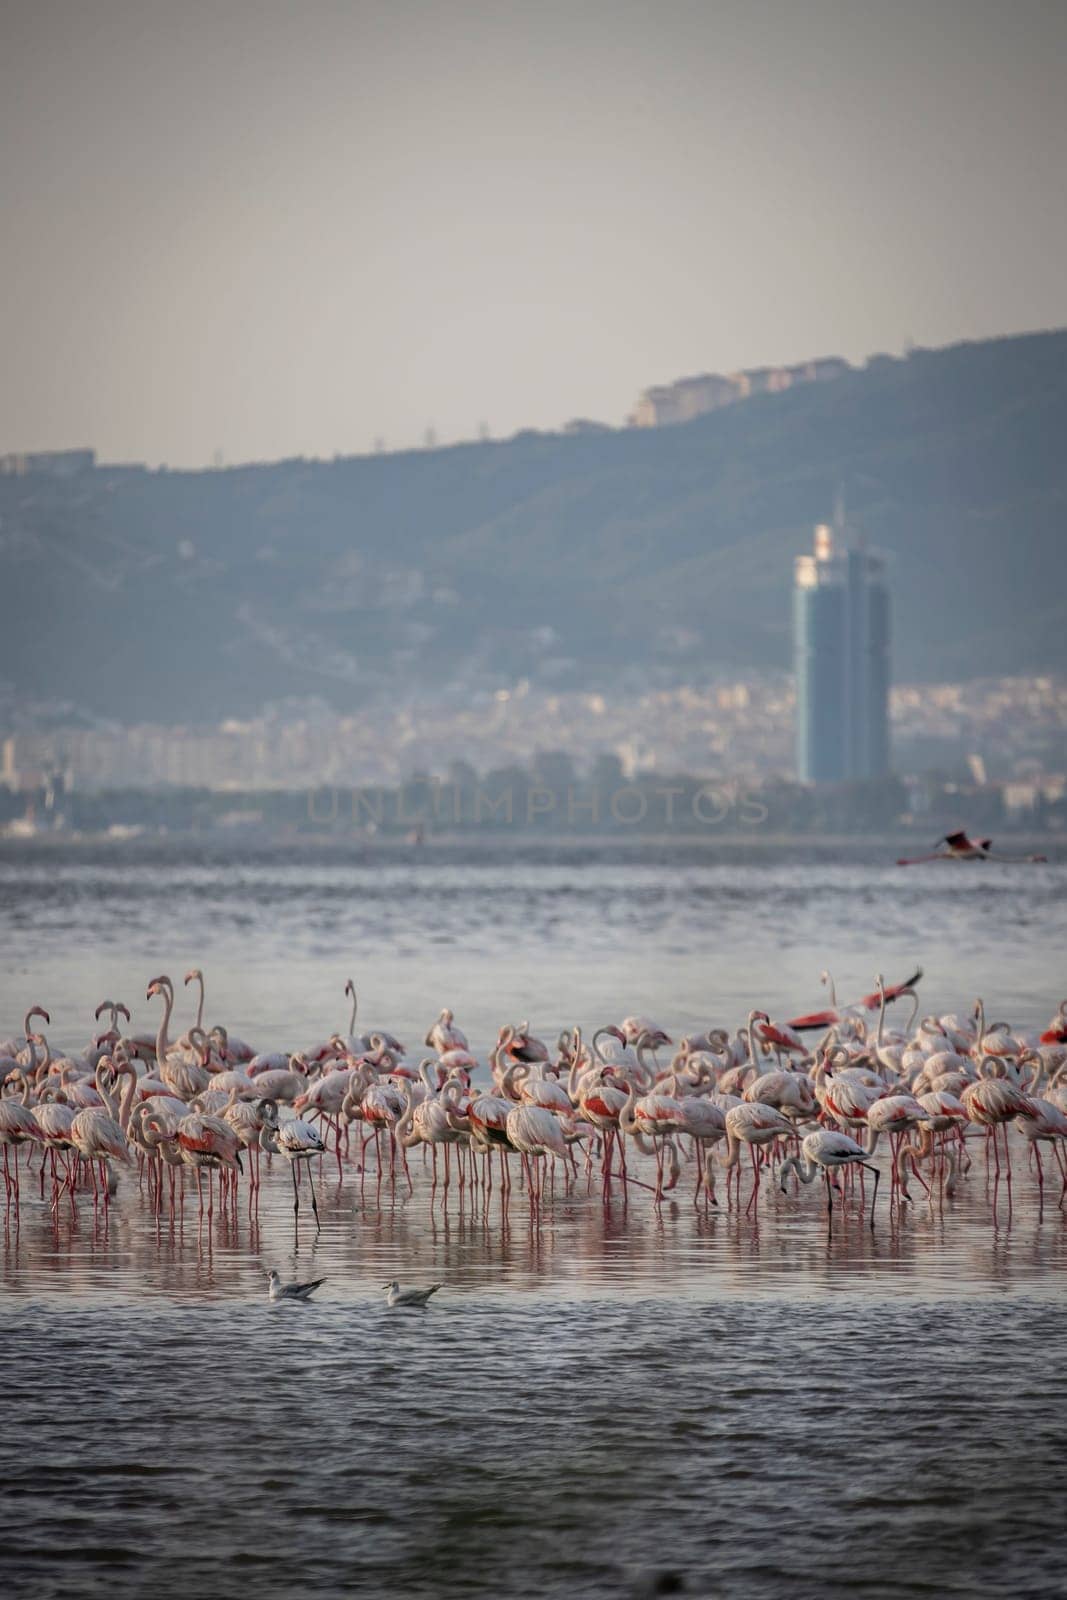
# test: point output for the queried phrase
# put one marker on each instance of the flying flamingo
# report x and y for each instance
(869, 1002)
(960, 847)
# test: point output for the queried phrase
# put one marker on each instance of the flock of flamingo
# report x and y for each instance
(616, 1105)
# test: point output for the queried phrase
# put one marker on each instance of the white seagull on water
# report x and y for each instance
(292, 1291)
(397, 1296)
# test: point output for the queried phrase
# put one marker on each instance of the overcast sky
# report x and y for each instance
(275, 229)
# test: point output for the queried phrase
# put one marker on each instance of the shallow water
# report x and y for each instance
(745, 1405)
(690, 934)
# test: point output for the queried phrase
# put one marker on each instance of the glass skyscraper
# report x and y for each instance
(841, 644)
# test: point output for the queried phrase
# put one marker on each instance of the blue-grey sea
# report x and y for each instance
(606, 1398)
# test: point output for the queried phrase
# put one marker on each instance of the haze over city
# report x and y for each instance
(261, 230)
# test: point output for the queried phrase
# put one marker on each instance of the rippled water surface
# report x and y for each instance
(606, 1398)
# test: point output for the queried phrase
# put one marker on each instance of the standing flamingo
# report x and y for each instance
(294, 1141)
(18, 1126)
(207, 1142)
(97, 1131)
(993, 1102)
(826, 1150)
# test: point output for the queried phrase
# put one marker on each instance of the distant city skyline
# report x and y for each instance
(261, 230)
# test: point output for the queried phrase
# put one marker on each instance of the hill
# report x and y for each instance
(613, 559)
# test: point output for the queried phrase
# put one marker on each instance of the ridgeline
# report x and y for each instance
(616, 560)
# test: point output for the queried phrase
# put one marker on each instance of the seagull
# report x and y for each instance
(292, 1291)
(408, 1297)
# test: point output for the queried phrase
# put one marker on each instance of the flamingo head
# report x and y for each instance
(194, 972)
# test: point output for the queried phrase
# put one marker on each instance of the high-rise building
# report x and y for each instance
(841, 646)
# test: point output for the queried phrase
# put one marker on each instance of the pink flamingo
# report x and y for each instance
(207, 1142)
(445, 1036)
(18, 1126)
(992, 1103)
(97, 1132)
(754, 1125)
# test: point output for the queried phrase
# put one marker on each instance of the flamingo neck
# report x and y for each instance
(161, 1036)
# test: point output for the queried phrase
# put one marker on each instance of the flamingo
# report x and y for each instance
(207, 1142)
(1056, 1032)
(445, 1036)
(185, 1043)
(519, 1044)
(365, 1041)
(634, 1028)
(960, 847)
(537, 1090)
(705, 1122)
(428, 1123)
(247, 1123)
(870, 1002)
(325, 1098)
(654, 1116)
(183, 1078)
(534, 1132)
(18, 1126)
(754, 1125)
(825, 1150)
(54, 1120)
(1045, 1122)
(992, 1102)
(97, 1132)
(294, 1141)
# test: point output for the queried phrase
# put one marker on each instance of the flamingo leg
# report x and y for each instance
(874, 1197)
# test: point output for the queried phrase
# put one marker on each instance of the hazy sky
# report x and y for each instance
(277, 229)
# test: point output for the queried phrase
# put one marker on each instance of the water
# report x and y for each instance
(603, 1399)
